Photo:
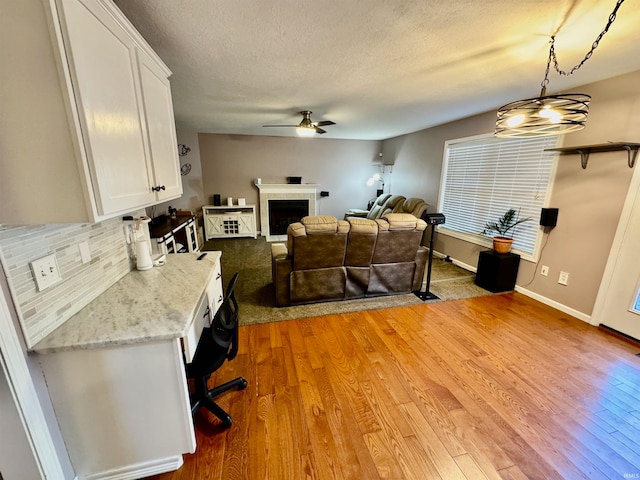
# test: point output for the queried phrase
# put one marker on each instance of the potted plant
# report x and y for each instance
(504, 227)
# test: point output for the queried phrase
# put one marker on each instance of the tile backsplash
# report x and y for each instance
(42, 312)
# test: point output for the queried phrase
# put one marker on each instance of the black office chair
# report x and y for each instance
(217, 343)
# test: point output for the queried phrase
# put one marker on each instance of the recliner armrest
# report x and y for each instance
(356, 212)
(281, 266)
(279, 250)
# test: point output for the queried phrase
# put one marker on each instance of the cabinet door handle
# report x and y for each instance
(218, 276)
(157, 189)
(220, 299)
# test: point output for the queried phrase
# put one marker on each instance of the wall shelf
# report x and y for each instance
(586, 150)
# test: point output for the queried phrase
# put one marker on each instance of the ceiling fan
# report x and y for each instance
(307, 128)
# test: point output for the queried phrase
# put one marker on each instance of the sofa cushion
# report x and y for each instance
(414, 206)
(360, 242)
(324, 224)
(296, 229)
(362, 225)
(404, 221)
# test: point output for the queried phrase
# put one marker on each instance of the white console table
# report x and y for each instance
(229, 221)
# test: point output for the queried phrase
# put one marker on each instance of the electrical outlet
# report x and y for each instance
(544, 270)
(563, 279)
(45, 271)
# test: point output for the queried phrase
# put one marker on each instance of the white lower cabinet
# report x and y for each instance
(123, 412)
(100, 141)
(230, 221)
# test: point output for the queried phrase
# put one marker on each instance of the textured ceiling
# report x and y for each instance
(378, 68)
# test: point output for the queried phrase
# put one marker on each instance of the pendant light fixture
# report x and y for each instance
(549, 114)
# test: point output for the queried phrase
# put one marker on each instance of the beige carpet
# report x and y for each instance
(254, 290)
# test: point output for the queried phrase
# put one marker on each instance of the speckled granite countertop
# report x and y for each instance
(144, 306)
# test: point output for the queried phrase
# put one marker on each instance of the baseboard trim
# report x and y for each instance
(458, 263)
(536, 296)
(552, 303)
(139, 470)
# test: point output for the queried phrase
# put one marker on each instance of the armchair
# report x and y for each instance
(384, 204)
(415, 206)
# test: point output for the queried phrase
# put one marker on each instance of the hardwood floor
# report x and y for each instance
(498, 387)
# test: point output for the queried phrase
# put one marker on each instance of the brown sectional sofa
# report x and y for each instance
(387, 203)
(327, 259)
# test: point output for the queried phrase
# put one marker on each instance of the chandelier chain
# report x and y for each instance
(552, 52)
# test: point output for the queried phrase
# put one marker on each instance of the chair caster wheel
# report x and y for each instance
(226, 422)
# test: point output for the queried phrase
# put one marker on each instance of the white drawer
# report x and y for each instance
(215, 293)
(201, 320)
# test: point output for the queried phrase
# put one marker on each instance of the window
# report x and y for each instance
(483, 177)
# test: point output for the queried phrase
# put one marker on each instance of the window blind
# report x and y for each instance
(483, 178)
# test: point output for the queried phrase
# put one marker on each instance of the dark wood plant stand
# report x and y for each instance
(497, 272)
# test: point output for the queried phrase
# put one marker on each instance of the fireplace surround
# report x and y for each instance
(282, 191)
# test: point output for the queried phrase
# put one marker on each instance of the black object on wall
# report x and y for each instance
(216, 200)
(549, 217)
(324, 193)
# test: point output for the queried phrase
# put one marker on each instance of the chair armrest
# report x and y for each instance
(281, 266)
(279, 250)
(356, 212)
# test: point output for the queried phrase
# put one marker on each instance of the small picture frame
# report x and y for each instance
(242, 202)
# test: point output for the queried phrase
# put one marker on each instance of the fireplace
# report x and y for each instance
(284, 212)
(291, 194)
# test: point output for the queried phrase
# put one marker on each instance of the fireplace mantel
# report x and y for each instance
(287, 187)
(283, 191)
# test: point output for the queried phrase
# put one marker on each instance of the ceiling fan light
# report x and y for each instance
(304, 131)
(542, 116)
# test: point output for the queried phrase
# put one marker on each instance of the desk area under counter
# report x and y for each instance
(115, 370)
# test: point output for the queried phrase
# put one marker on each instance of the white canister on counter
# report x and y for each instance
(230, 201)
(143, 255)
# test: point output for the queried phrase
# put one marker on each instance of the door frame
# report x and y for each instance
(616, 247)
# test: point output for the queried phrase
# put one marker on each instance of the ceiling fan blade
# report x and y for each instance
(325, 123)
(279, 125)
(320, 131)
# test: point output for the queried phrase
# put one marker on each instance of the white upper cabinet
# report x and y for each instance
(94, 136)
(158, 109)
